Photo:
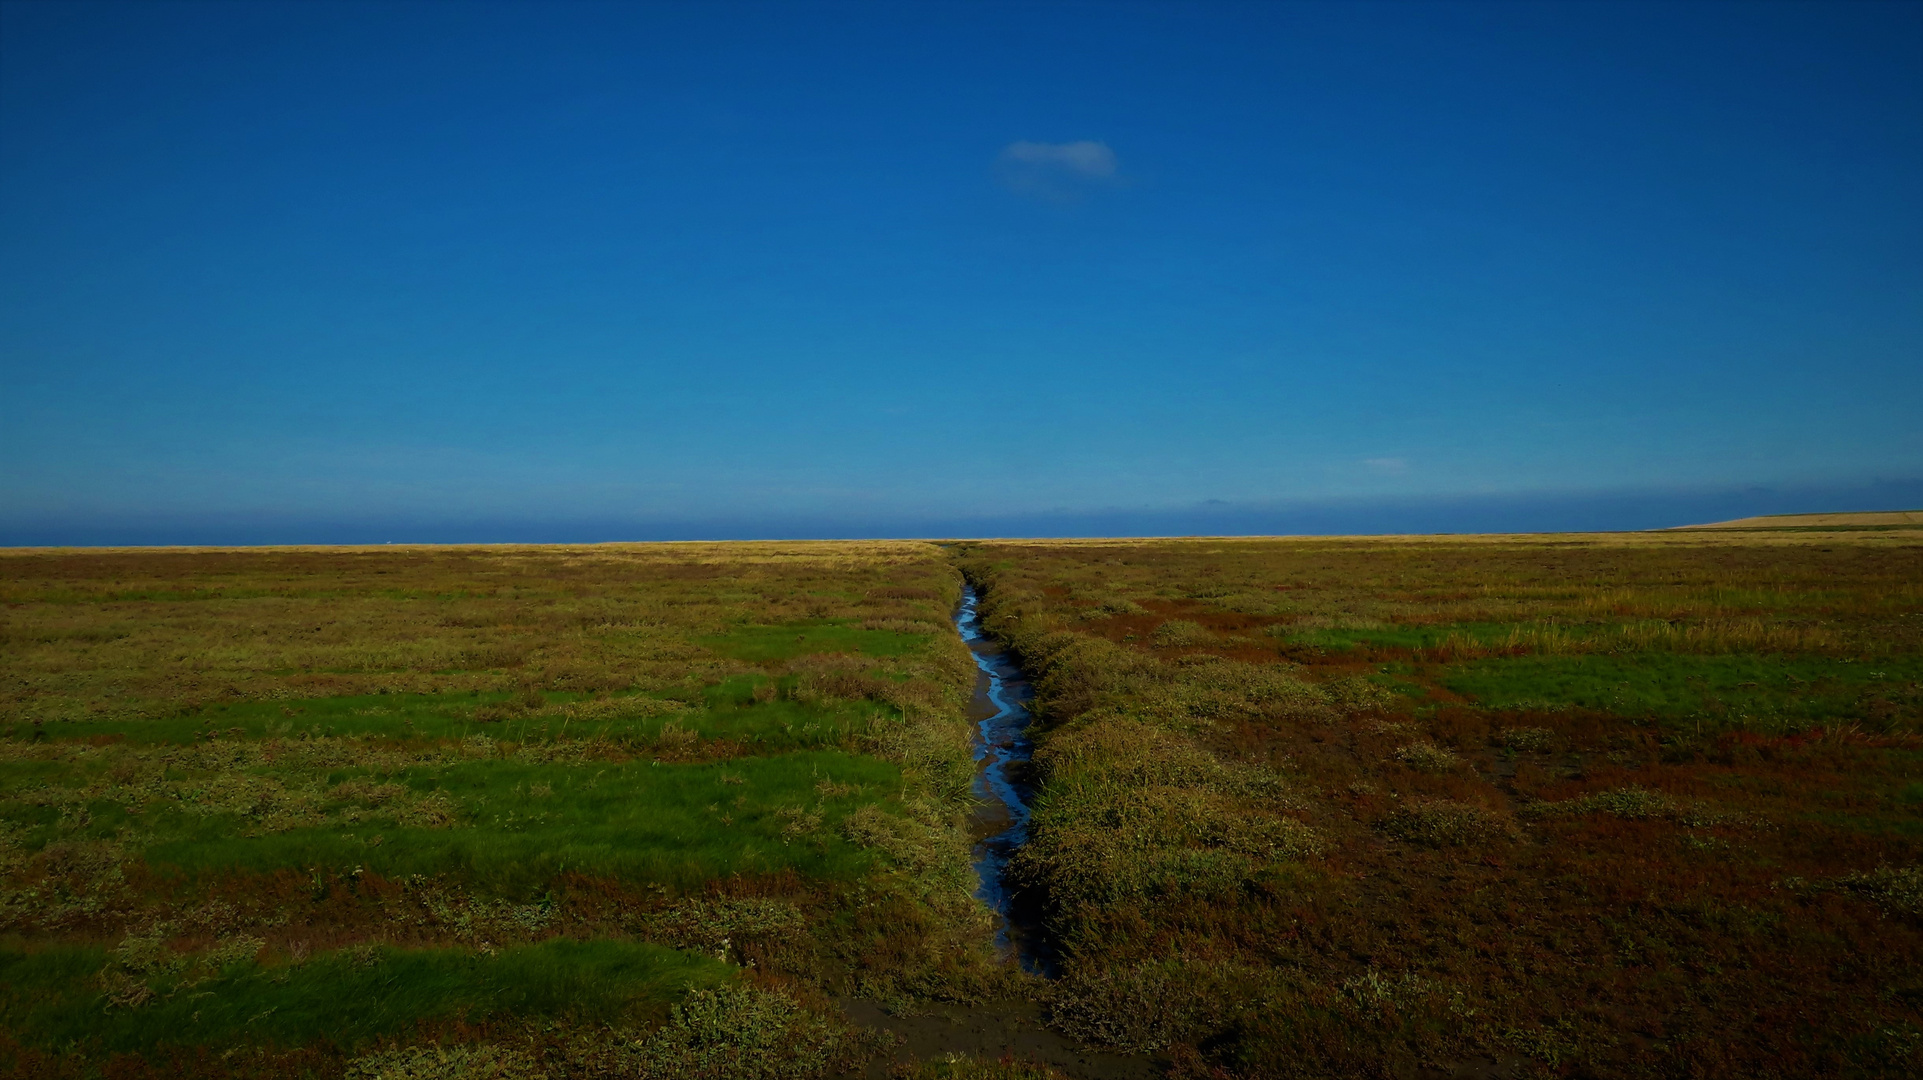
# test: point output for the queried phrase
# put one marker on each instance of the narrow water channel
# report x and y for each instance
(1000, 714)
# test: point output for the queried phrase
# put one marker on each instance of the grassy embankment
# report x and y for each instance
(1619, 806)
(438, 812)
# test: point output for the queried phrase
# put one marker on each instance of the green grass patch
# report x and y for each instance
(519, 824)
(762, 644)
(1390, 637)
(727, 710)
(53, 996)
(1419, 636)
(399, 716)
(1751, 690)
(1903, 826)
(733, 712)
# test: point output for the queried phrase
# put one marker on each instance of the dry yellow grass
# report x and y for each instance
(1861, 519)
(118, 633)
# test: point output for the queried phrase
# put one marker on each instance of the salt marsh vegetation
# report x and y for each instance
(506, 811)
(1614, 806)
(1548, 806)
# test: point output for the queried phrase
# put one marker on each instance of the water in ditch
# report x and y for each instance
(1013, 1029)
(1000, 714)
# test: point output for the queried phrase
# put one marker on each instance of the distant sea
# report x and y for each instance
(1506, 513)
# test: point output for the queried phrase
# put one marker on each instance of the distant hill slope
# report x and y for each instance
(1859, 520)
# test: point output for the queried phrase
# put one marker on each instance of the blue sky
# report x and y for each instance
(474, 271)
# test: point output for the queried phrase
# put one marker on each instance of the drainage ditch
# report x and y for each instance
(1000, 714)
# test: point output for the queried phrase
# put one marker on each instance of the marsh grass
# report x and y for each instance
(1442, 823)
(1629, 803)
(1766, 693)
(1177, 633)
(720, 1033)
(637, 821)
(762, 644)
(348, 997)
(1536, 740)
(294, 801)
(963, 1067)
(1370, 807)
(1549, 790)
(1898, 890)
(1427, 757)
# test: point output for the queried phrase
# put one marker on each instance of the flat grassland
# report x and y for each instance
(1642, 805)
(601, 811)
(1614, 805)
(1875, 519)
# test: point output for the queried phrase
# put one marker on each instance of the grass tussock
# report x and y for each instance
(1427, 757)
(1535, 740)
(1179, 633)
(1630, 803)
(1131, 812)
(729, 1032)
(1442, 823)
(1898, 890)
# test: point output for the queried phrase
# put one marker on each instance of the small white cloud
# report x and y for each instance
(1085, 157)
(1056, 171)
(1388, 466)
